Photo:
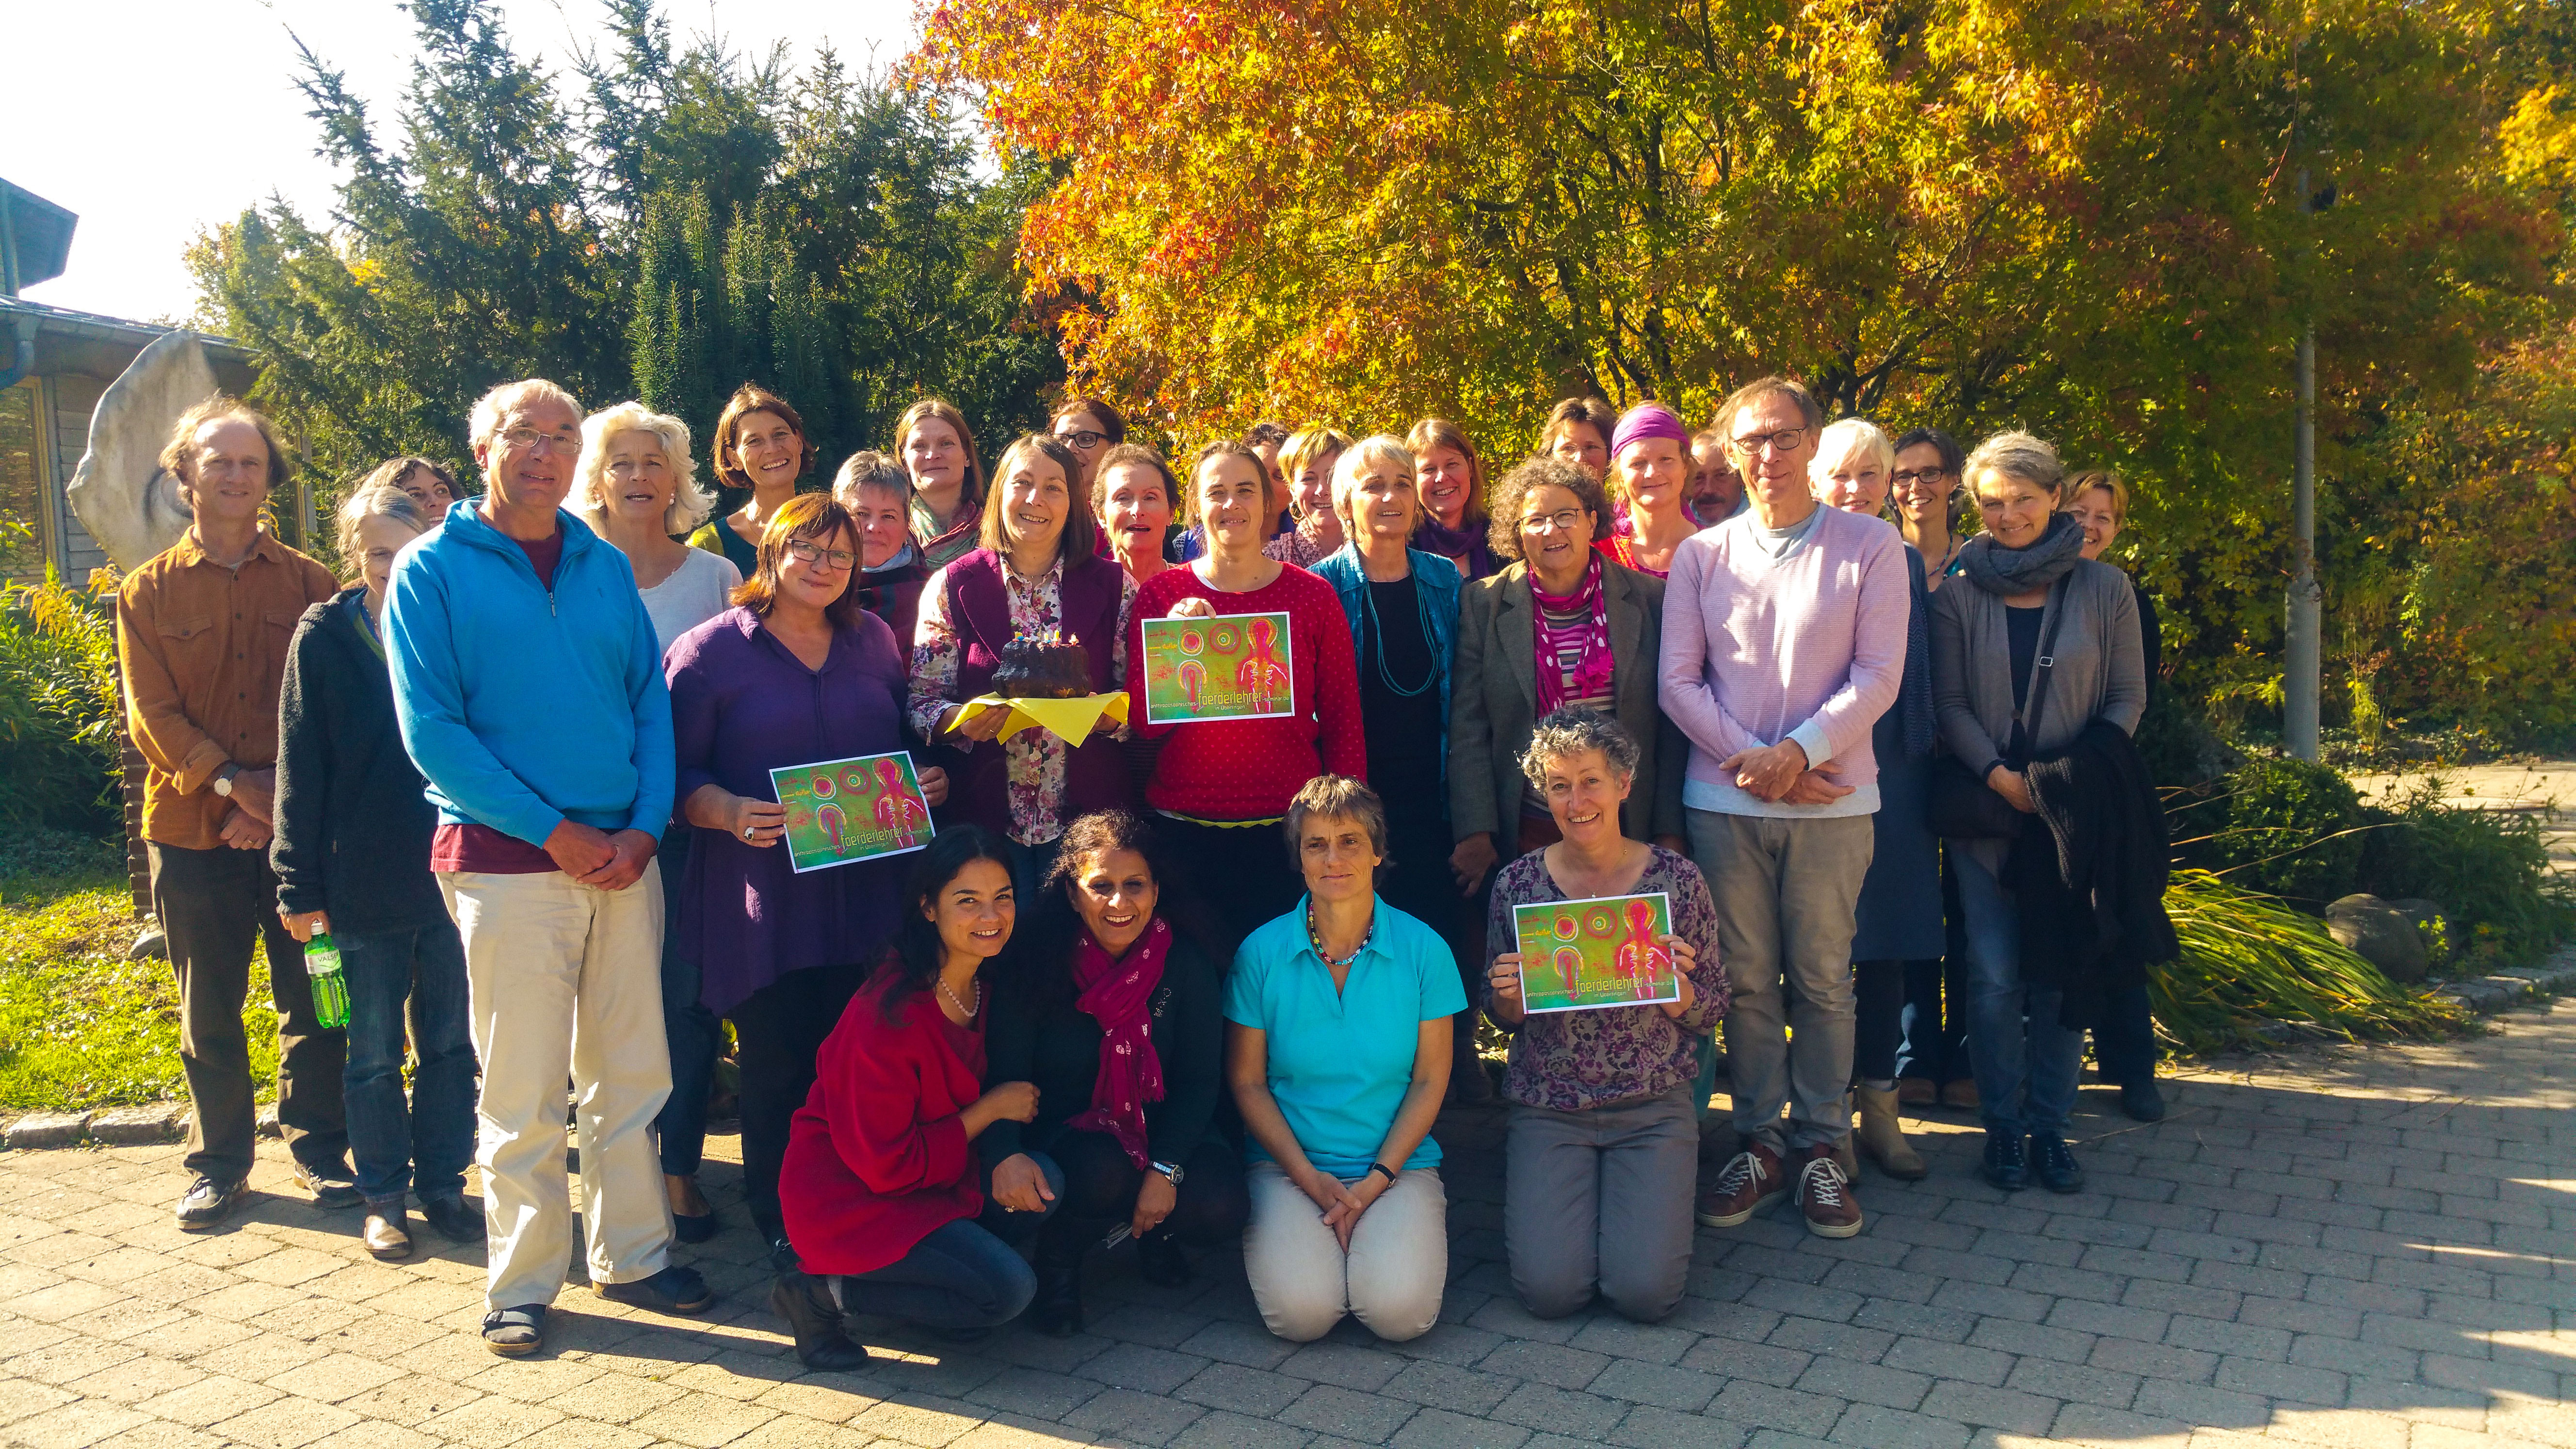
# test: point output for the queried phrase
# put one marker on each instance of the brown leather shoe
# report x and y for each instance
(1825, 1195)
(1917, 1091)
(1751, 1178)
(1961, 1094)
(387, 1233)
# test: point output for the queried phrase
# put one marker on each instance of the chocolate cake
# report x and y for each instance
(1042, 668)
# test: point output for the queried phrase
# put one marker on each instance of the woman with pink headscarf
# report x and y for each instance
(1650, 474)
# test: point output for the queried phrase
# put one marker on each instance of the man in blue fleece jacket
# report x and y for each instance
(529, 686)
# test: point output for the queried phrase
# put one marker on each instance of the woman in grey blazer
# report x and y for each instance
(2033, 618)
(1547, 515)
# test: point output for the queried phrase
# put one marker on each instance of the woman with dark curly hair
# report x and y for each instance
(1562, 624)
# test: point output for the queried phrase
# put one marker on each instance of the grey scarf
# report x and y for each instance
(2005, 571)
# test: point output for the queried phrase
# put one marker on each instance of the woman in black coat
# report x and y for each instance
(1117, 1020)
(352, 859)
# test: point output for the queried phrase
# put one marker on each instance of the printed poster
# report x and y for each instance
(846, 810)
(1231, 666)
(1585, 955)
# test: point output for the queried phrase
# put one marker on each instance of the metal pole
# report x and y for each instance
(2306, 625)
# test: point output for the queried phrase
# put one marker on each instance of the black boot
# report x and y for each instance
(806, 1303)
(1159, 1261)
(1057, 1310)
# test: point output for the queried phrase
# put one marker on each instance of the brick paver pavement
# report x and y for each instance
(2364, 1248)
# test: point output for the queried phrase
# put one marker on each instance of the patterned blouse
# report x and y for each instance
(1033, 758)
(1300, 545)
(1573, 1061)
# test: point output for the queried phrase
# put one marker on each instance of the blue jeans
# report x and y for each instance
(690, 1028)
(424, 1147)
(965, 1274)
(2014, 1039)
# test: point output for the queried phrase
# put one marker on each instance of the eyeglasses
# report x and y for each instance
(806, 550)
(1086, 440)
(1565, 520)
(531, 440)
(1785, 440)
(1921, 477)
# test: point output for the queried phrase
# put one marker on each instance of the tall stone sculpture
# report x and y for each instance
(124, 497)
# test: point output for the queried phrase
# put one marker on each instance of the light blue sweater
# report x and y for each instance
(524, 706)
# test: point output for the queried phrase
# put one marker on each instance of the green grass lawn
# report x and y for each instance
(80, 1026)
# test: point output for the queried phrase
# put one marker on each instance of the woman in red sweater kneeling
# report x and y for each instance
(883, 1199)
(1225, 784)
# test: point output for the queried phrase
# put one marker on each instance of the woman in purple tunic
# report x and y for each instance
(798, 672)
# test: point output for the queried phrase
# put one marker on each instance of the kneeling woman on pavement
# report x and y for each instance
(1114, 1013)
(1603, 1144)
(880, 1188)
(1337, 1046)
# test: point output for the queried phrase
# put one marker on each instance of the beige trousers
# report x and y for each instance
(1391, 1279)
(566, 980)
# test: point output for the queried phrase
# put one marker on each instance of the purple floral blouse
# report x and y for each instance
(1033, 758)
(1573, 1061)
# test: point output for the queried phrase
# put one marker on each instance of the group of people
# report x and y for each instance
(518, 767)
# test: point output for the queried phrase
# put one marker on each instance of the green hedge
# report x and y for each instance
(61, 759)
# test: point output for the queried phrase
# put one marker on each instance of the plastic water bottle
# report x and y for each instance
(330, 987)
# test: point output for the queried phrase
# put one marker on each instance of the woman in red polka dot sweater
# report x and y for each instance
(1224, 785)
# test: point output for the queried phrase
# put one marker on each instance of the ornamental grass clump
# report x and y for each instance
(2251, 964)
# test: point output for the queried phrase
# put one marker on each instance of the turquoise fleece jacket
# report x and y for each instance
(526, 707)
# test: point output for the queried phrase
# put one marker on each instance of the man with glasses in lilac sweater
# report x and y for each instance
(1784, 640)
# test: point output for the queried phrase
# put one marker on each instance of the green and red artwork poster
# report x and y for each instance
(1232, 666)
(1607, 951)
(845, 810)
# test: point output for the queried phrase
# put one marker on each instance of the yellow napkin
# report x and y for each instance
(1070, 720)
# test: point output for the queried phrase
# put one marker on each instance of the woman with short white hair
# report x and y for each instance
(1899, 916)
(1402, 603)
(636, 487)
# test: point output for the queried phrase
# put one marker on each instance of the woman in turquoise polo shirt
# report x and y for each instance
(1337, 1048)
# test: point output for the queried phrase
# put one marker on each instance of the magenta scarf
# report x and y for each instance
(1131, 1075)
(1589, 632)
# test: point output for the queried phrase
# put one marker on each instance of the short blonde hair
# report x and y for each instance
(510, 397)
(2109, 482)
(690, 501)
(2017, 455)
(1359, 458)
(1845, 439)
(1304, 446)
(379, 500)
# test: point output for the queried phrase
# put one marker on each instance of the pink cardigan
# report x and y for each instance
(1810, 648)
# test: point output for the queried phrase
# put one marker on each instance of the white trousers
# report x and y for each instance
(566, 980)
(1391, 1278)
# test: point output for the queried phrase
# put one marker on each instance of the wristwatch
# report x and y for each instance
(223, 783)
(1171, 1171)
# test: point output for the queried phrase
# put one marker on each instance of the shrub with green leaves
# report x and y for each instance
(2281, 827)
(61, 713)
(2487, 869)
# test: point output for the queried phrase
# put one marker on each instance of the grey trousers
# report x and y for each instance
(1785, 893)
(1600, 1201)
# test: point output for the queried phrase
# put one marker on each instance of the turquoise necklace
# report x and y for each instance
(1377, 637)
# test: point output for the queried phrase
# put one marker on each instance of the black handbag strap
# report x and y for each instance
(2043, 666)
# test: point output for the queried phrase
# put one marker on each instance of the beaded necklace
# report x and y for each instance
(961, 1006)
(1315, 939)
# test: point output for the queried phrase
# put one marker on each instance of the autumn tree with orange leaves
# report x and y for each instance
(2078, 218)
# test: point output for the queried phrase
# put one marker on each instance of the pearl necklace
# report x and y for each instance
(961, 1006)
